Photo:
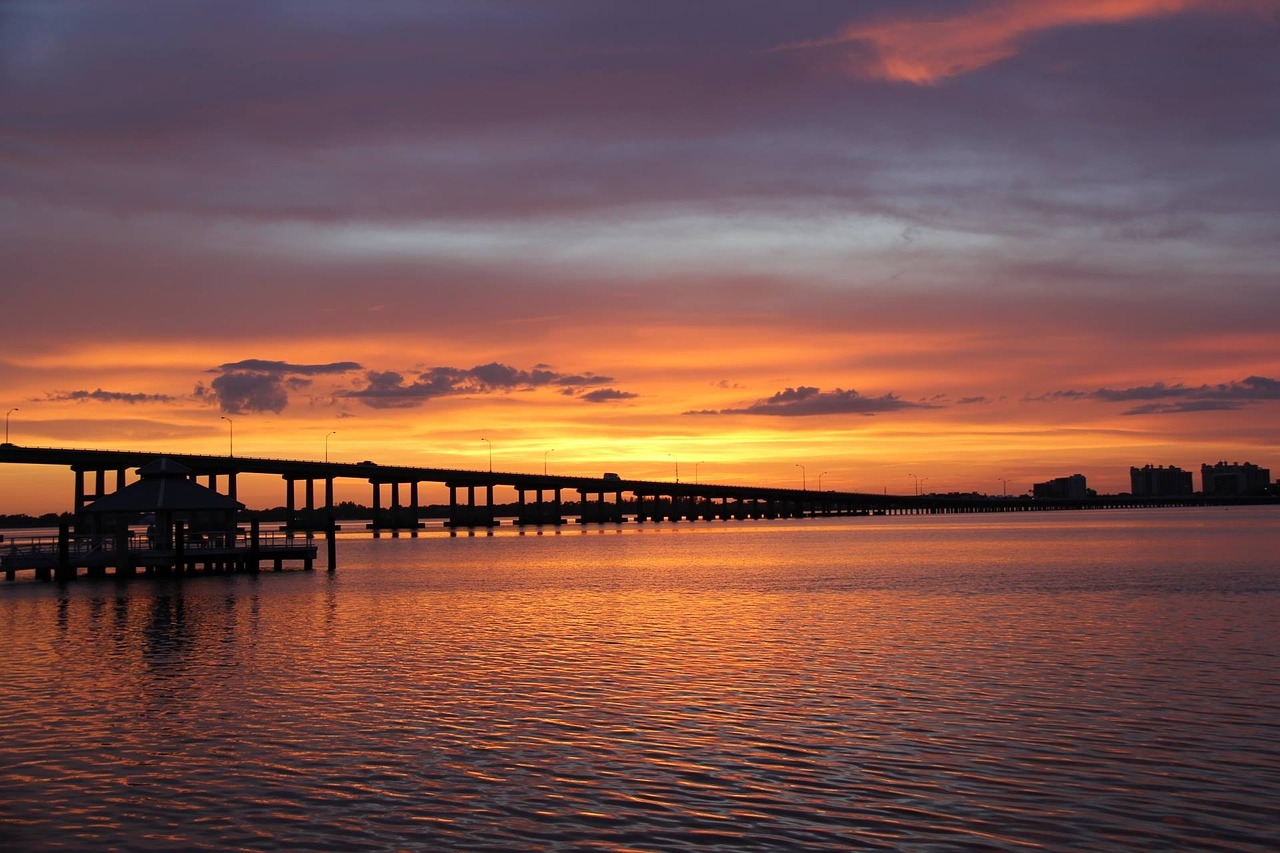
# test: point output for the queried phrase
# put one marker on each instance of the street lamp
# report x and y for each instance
(917, 479)
(1004, 487)
(677, 461)
(490, 443)
(544, 461)
(820, 476)
(804, 478)
(6, 424)
(326, 445)
(231, 435)
(695, 472)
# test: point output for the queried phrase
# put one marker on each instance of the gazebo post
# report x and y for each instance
(254, 545)
(331, 541)
(124, 566)
(64, 571)
(179, 547)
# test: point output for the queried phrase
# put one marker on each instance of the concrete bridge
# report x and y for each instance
(394, 490)
(309, 492)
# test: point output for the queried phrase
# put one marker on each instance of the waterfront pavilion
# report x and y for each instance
(166, 491)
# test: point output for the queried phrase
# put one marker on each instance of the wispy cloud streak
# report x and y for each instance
(101, 396)
(929, 50)
(1161, 398)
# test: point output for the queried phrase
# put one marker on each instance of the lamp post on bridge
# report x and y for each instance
(231, 435)
(6, 423)
(677, 461)
(544, 461)
(326, 445)
(695, 472)
(1004, 488)
(917, 479)
(804, 477)
(820, 476)
(490, 443)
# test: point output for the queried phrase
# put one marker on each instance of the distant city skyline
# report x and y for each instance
(902, 245)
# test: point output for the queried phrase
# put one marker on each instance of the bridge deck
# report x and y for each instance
(472, 500)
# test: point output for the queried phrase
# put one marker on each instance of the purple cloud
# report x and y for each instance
(1163, 398)
(241, 392)
(806, 400)
(390, 389)
(607, 395)
(258, 365)
(260, 385)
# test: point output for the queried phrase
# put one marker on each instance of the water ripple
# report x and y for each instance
(658, 692)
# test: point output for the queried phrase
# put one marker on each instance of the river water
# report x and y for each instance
(1105, 680)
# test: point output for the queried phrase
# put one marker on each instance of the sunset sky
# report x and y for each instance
(957, 242)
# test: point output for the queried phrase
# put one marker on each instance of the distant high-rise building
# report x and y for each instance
(1234, 479)
(1152, 482)
(1062, 488)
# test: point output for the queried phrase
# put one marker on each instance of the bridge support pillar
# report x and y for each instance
(599, 511)
(395, 517)
(308, 517)
(541, 511)
(470, 514)
(84, 497)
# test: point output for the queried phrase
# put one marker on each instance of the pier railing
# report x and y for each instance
(61, 557)
(82, 544)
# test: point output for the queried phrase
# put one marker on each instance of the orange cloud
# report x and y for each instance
(927, 51)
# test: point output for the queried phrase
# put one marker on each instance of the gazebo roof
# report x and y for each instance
(164, 487)
(164, 467)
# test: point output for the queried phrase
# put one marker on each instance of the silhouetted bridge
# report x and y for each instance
(309, 492)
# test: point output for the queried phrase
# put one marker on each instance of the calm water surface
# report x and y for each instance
(1053, 681)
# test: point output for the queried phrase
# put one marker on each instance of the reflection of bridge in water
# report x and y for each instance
(309, 493)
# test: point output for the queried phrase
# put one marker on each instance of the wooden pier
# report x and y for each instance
(129, 553)
(189, 528)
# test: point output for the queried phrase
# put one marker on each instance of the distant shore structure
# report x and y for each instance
(1234, 479)
(1072, 488)
(1152, 481)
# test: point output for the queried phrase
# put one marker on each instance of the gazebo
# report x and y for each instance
(193, 526)
(166, 491)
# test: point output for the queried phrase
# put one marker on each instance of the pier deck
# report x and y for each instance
(62, 557)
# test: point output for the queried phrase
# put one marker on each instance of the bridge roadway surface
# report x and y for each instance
(653, 499)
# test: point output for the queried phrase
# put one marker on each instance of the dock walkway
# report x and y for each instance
(62, 557)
